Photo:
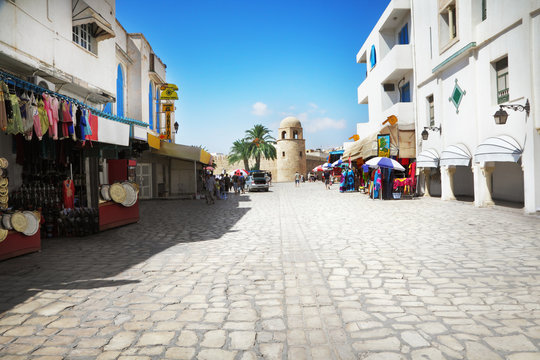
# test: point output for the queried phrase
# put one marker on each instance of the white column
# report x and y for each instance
(482, 184)
(447, 182)
(427, 182)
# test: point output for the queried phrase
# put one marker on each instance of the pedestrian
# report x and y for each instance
(302, 178)
(297, 179)
(327, 179)
(210, 187)
(227, 183)
(242, 180)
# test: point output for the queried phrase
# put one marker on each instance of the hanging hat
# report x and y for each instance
(118, 193)
(19, 222)
(3, 234)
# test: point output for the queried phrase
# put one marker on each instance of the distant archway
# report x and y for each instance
(295, 134)
(283, 134)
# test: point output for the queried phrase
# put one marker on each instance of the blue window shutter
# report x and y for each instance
(150, 107)
(158, 118)
(119, 92)
(107, 108)
(405, 93)
(404, 35)
(373, 56)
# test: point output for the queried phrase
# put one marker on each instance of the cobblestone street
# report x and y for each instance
(295, 273)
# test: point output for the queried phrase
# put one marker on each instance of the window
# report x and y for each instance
(150, 107)
(283, 134)
(295, 134)
(447, 23)
(300, 153)
(404, 35)
(405, 93)
(283, 153)
(484, 10)
(119, 91)
(501, 69)
(373, 56)
(82, 35)
(431, 110)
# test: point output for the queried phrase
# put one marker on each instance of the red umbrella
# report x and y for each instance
(318, 168)
(240, 172)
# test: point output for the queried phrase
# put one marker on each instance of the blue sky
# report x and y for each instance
(241, 63)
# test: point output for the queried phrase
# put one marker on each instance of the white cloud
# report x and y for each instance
(313, 106)
(260, 109)
(324, 123)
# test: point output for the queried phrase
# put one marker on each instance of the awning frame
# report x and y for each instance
(455, 155)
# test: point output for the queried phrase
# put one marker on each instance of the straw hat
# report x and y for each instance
(19, 222)
(131, 195)
(33, 223)
(3, 163)
(3, 234)
(118, 193)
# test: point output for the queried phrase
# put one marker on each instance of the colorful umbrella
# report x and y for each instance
(385, 162)
(318, 168)
(239, 172)
(338, 162)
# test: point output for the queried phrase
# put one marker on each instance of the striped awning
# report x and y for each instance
(428, 159)
(456, 155)
(502, 148)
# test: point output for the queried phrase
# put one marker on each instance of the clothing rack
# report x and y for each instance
(25, 85)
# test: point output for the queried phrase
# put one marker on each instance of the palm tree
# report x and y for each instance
(261, 143)
(240, 151)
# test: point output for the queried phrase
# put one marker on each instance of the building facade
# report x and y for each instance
(467, 59)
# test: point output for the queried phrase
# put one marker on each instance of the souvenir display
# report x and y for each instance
(3, 234)
(6, 221)
(33, 223)
(19, 222)
(131, 194)
(118, 193)
(104, 192)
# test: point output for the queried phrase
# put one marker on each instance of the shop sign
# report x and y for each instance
(168, 92)
(167, 109)
(383, 145)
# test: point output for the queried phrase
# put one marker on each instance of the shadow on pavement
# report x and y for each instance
(87, 262)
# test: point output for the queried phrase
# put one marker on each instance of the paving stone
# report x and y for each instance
(414, 339)
(187, 338)
(121, 341)
(476, 351)
(242, 340)
(183, 353)
(511, 343)
(214, 339)
(213, 354)
(271, 351)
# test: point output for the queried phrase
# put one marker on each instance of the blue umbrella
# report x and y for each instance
(337, 162)
(385, 162)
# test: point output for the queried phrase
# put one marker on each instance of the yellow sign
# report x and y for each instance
(356, 137)
(168, 86)
(167, 109)
(392, 119)
(168, 94)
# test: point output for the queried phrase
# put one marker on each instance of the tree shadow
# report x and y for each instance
(88, 262)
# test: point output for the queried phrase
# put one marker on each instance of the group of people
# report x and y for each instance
(218, 186)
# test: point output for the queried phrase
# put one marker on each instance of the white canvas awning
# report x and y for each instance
(428, 159)
(84, 14)
(456, 155)
(502, 148)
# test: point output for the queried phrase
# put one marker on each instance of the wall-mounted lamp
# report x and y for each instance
(425, 134)
(175, 127)
(501, 116)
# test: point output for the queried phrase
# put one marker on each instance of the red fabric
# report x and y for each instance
(93, 121)
(68, 191)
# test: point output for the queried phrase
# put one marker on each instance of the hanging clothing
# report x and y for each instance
(43, 120)
(36, 118)
(68, 192)
(73, 111)
(377, 183)
(27, 115)
(53, 126)
(93, 127)
(3, 114)
(15, 125)
(7, 102)
(66, 120)
(54, 110)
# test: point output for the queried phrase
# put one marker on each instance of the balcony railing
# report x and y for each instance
(503, 96)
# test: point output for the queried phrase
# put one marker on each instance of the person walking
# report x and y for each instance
(297, 179)
(210, 188)
(327, 179)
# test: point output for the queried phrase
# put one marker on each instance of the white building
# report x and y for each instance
(466, 58)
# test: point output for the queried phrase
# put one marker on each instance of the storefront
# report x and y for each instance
(56, 148)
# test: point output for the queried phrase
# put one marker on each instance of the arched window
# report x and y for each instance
(295, 134)
(158, 114)
(119, 91)
(150, 106)
(373, 56)
(283, 134)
